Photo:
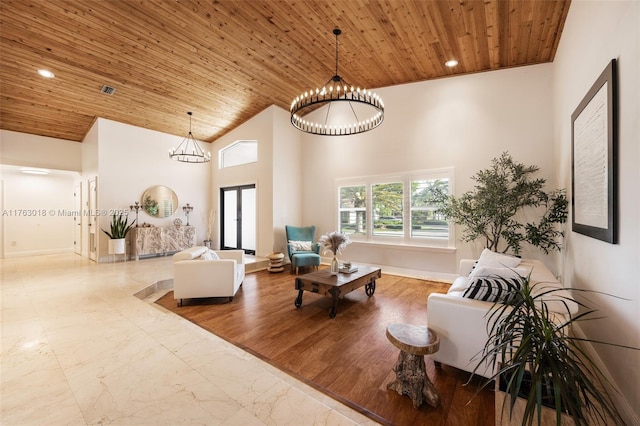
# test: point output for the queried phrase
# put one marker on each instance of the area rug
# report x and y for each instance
(348, 357)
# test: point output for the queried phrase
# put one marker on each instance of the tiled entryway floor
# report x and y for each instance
(78, 348)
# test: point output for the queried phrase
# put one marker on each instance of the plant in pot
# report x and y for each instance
(540, 363)
(119, 228)
(532, 347)
(503, 193)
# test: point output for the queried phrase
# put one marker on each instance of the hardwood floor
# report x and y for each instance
(348, 357)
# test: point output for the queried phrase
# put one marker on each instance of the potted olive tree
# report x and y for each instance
(541, 364)
(501, 195)
(120, 226)
(538, 360)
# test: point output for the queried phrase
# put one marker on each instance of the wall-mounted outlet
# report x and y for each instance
(14, 243)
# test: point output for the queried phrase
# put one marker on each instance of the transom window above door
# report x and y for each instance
(238, 153)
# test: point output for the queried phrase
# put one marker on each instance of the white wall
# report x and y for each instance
(22, 149)
(462, 122)
(132, 159)
(37, 212)
(287, 182)
(596, 32)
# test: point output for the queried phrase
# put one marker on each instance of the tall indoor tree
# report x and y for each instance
(494, 209)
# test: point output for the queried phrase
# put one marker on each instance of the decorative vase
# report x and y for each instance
(334, 266)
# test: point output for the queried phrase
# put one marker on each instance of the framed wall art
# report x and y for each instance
(594, 133)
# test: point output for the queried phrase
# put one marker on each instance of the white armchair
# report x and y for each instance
(200, 272)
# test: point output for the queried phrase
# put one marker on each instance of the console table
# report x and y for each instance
(162, 240)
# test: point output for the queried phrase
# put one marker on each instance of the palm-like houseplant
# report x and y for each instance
(120, 226)
(540, 361)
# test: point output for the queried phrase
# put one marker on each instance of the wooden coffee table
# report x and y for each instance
(337, 286)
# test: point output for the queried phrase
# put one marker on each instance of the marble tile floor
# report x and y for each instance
(78, 348)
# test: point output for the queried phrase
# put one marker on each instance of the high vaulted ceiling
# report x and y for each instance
(228, 60)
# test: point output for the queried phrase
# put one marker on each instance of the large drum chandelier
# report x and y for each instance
(355, 110)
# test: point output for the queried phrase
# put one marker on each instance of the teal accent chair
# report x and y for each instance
(302, 257)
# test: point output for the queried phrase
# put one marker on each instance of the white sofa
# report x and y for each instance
(461, 322)
(201, 272)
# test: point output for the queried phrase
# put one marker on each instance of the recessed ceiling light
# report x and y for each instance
(46, 73)
(451, 63)
(35, 171)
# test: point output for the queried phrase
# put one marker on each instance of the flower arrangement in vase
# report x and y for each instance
(334, 242)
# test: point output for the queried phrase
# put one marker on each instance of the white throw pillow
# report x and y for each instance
(485, 271)
(491, 259)
(300, 245)
(208, 255)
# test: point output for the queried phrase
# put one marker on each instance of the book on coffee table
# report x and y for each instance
(350, 270)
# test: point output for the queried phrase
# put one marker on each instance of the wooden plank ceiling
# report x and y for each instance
(228, 60)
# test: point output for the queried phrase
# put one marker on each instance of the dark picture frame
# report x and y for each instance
(594, 159)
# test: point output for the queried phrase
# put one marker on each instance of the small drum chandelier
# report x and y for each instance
(189, 151)
(364, 111)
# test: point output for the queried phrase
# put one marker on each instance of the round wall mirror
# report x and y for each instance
(159, 201)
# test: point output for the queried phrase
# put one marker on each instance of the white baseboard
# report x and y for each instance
(26, 253)
(409, 273)
(626, 410)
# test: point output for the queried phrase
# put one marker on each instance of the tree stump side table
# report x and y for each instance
(411, 378)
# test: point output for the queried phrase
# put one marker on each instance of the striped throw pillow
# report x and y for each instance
(492, 289)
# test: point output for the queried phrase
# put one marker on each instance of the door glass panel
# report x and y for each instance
(249, 219)
(230, 219)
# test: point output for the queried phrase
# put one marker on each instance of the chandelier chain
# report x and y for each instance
(337, 33)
